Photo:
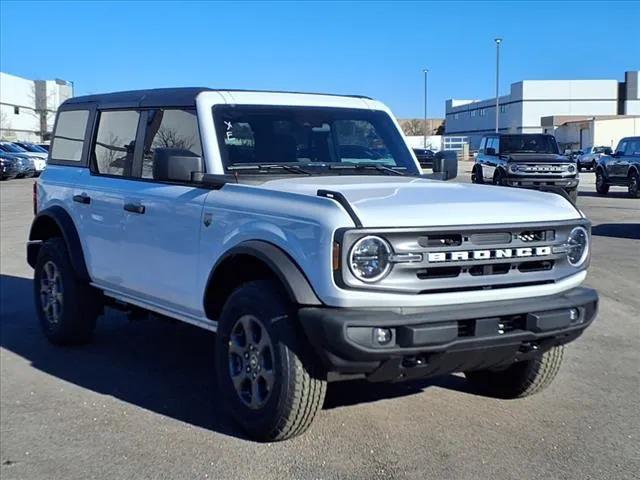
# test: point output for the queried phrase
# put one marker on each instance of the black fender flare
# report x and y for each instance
(635, 168)
(290, 275)
(41, 230)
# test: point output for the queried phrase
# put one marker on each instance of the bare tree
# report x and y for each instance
(5, 125)
(170, 138)
(412, 126)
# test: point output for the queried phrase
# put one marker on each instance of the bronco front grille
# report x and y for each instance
(457, 259)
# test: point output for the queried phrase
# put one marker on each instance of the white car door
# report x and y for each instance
(163, 217)
(99, 194)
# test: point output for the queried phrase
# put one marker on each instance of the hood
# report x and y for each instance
(536, 157)
(385, 201)
(17, 156)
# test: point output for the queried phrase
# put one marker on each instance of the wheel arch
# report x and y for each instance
(253, 260)
(56, 222)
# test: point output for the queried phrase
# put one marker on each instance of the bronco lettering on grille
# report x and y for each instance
(498, 253)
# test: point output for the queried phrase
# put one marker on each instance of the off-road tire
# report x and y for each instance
(520, 379)
(634, 184)
(80, 304)
(573, 194)
(299, 384)
(476, 175)
(499, 178)
(601, 187)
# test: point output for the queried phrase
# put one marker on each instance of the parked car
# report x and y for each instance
(38, 159)
(573, 154)
(525, 160)
(590, 156)
(620, 168)
(311, 267)
(8, 166)
(425, 157)
(26, 167)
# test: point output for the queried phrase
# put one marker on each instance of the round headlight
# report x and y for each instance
(513, 167)
(578, 244)
(369, 259)
(571, 168)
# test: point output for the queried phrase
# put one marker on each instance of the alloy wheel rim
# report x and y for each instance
(251, 361)
(51, 292)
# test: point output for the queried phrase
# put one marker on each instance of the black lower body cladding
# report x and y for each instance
(534, 182)
(403, 343)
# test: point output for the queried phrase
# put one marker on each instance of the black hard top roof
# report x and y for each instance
(503, 134)
(159, 97)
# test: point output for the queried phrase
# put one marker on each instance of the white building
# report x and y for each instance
(28, 107)
(597, 131)
(522, 110)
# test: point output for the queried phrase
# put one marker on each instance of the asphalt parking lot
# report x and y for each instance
(140, 401)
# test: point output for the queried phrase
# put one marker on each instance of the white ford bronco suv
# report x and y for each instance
(300, 228)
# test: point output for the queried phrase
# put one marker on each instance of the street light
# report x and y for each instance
(498, 42)
(425, 71)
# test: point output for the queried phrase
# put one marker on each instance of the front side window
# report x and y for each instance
(68, 138)
(314, 139)
(176, 130)
(632, 148)
(115, 142)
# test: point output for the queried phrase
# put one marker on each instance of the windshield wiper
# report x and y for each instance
(363, 166)
(268, 166)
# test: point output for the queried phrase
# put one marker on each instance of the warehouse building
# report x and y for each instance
(28, 107)
(529, 101)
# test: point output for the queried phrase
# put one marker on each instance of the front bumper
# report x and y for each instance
(533, 182)
(438, 340)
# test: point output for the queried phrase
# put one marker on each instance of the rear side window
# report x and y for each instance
(69, 137)
(176, 130)
(115, 142)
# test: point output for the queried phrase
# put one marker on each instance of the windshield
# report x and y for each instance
(10, 147)
(605, 150)
(312, 140)
(528, 144)
(33, 148)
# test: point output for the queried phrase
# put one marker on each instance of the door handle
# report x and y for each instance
(134, 208)
(84, 198)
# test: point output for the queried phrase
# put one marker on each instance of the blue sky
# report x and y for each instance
(370, 48)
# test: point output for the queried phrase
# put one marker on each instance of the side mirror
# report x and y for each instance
(175, 165)
(445, 163)
(490, 151)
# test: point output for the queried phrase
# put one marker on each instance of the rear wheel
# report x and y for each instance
(634, 184)
(601, 185)
(269, 379)
(67, 307)
(520, 379)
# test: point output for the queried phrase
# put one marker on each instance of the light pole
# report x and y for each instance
(498, 42)
(425, 71)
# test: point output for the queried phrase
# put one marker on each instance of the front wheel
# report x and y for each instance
(601, 185)
(520, 379)
(499, 178)
(573, 194)
(634, 184)
(268, 377)
(476, 175)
